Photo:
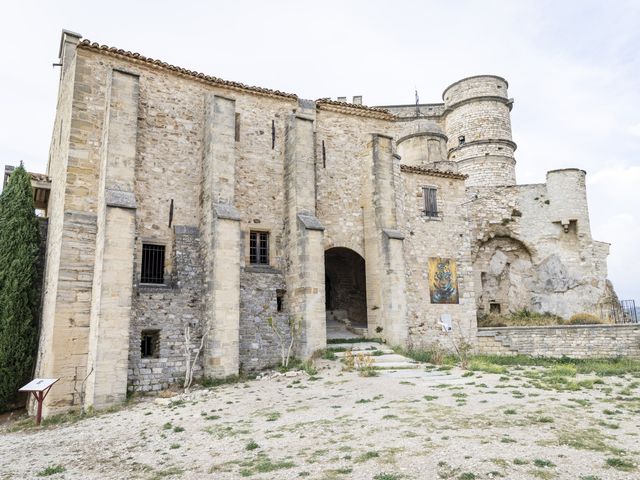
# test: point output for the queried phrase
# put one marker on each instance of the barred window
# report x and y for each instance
(259, 248)
(150, 343)
(430, 202)
(152, 264)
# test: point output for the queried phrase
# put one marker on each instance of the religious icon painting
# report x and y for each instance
(443, 280)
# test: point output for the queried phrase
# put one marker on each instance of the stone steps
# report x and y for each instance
(358, 346)
(367, 352)
(388, 360)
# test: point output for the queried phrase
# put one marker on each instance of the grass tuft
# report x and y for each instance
(51, 470)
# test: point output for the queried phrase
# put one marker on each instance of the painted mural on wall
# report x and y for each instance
(443, 280)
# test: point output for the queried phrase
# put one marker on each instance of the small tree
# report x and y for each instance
(190, 364)
(19, 250)
(295, 325)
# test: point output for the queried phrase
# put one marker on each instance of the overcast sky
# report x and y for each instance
(573, 69)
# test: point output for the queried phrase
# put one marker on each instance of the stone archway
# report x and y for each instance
(346, 288)
(505, 276)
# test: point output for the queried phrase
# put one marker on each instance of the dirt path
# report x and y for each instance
(413, 424)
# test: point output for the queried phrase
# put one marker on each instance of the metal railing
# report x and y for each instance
(623, 312)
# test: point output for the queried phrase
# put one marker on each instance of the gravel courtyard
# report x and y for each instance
(425, 423)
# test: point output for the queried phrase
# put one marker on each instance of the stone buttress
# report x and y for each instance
(384, 249)
(304, 233)
(107, 363)
(221, 239)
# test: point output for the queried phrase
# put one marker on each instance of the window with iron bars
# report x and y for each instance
(259, 248)
(430, 202)
(150, 343)
(152, 264)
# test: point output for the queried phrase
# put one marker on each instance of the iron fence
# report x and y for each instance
(622, 312)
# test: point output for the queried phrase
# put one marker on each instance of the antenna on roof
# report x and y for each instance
(417, 102)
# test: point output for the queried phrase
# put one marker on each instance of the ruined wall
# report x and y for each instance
(574, 341)
(444, 237)
(539, 236)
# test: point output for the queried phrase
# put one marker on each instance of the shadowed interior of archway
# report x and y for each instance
(345, 287)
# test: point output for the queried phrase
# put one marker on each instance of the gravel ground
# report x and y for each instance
(408, 424)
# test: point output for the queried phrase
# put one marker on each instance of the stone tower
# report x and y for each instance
(478, 127)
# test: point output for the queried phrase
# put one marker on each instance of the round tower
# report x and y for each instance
(424, 143)
(478, 127)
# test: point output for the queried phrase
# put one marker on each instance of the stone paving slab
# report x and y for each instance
(358, 346)
(386, 351)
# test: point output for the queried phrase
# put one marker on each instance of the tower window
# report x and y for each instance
(150, 343)
(152, 264)
(430, 202)
(461, 140)
(259, 248)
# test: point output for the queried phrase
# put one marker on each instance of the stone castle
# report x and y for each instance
(184, 206)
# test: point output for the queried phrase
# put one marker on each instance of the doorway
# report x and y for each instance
(345, 290)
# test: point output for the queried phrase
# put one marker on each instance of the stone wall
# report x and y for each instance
(444, 237)
(259, 290)
(169, 309)
(575, 341)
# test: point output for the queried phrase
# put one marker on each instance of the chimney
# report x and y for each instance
(342, 99)
(357, 100)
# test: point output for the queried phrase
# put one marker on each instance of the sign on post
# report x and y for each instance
(40, 388)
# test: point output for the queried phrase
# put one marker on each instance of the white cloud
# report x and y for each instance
(614, 201)
(634, 130)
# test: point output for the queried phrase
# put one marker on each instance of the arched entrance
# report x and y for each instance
(345, 288)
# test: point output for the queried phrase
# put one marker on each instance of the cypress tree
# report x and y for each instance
(19, 250)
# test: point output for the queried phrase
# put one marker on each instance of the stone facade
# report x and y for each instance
(268, 206)
(168, 310)
(574, 341)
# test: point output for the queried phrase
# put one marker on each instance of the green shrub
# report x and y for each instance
(584, 319)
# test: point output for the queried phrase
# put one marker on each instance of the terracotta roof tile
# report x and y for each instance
(354, 109)
(88, 45)
(432, 172)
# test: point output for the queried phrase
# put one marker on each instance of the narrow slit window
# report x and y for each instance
(279, 300)
(324, 156)
(273, 134)
(259, 248)
(237, 128)
(152, 264)
(430, 202)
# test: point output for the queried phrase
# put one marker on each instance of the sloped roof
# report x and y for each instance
(136, 57)
(432, 172)
(354, 109)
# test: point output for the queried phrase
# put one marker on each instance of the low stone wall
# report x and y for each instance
(575, 341)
